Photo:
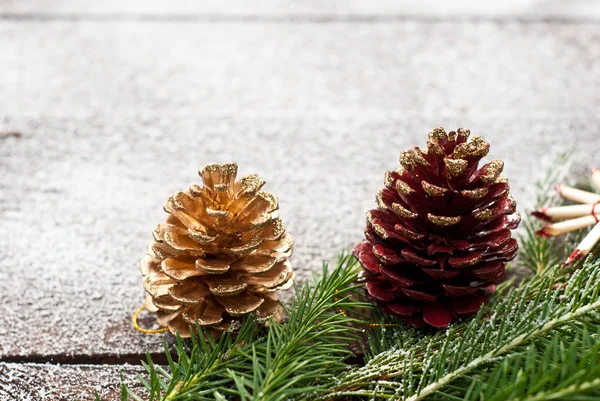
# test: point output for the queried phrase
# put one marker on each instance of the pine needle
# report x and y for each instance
(292, 359)
(436, 366)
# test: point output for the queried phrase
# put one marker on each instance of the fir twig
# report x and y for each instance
(292, 358)
(566, 367)
(433, 367)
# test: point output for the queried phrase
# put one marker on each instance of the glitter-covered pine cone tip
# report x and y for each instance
(221, 254)
(440, 238)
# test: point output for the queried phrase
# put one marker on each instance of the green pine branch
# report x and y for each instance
(503, 350)
(566, 366)
(297, 357)
(434, 366)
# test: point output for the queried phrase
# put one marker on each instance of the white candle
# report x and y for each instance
(566, 212)
(586, 245)
(577, 195)
(552, 230)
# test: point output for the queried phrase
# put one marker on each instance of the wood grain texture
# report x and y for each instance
(45, 382)
(162, 69)
(80, 197)
(213, 9)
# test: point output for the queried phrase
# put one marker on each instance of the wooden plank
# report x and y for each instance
(79, 198)
(108, 107)
(344, 69)
(311, 8)
(113, 117)
(32, 382)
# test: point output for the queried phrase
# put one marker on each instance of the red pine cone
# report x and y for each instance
(440, 238)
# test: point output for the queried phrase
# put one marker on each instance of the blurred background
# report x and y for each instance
(106, 108)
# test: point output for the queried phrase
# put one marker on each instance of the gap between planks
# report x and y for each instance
(158, 358)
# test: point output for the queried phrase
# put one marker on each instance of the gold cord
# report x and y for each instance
(343, 313)
(134, 319)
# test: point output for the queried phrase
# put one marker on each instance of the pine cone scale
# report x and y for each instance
(437, 315)
(189, 291)
(166, 303)
(254, 264)
(179, 270)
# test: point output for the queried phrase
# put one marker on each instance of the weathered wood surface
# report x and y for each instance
(581, 9)
(80, 198)
(410, 69)
(36, 382)
(101, 119)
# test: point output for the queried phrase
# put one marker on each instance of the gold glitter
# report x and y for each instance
(195, 190)
(511, 200)
(433, 190)
(474, 193)
(407, 233)
(166, 303)
(418, 157)
(379, 230)
(480, 147)
(226, 169)
(246, 248)
(455, 166)
(261, 222)
(517, 216)
(379, 200)
(462, 150)
(177, 201)
(443, 221)
(221, 187)
(501, 180)
(288, 240)
(492, 171)
(222, 289)
(158, 285)
(407, 159)
(169, 237)
(437, 134)
(402, 211)
(251, 184)
(464, 133)
(278, 228)
(158, 252)
(403, 188)
(484, 214)
(476, 147)
(156, 234)
(270, 198)
(469, 262)
(434, 148)
(389, 179)
(369, 218)
(381, 256)
(452, 136)
(199, 236)
(217, 214)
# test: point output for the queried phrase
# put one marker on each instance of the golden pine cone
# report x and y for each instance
(221, 254)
